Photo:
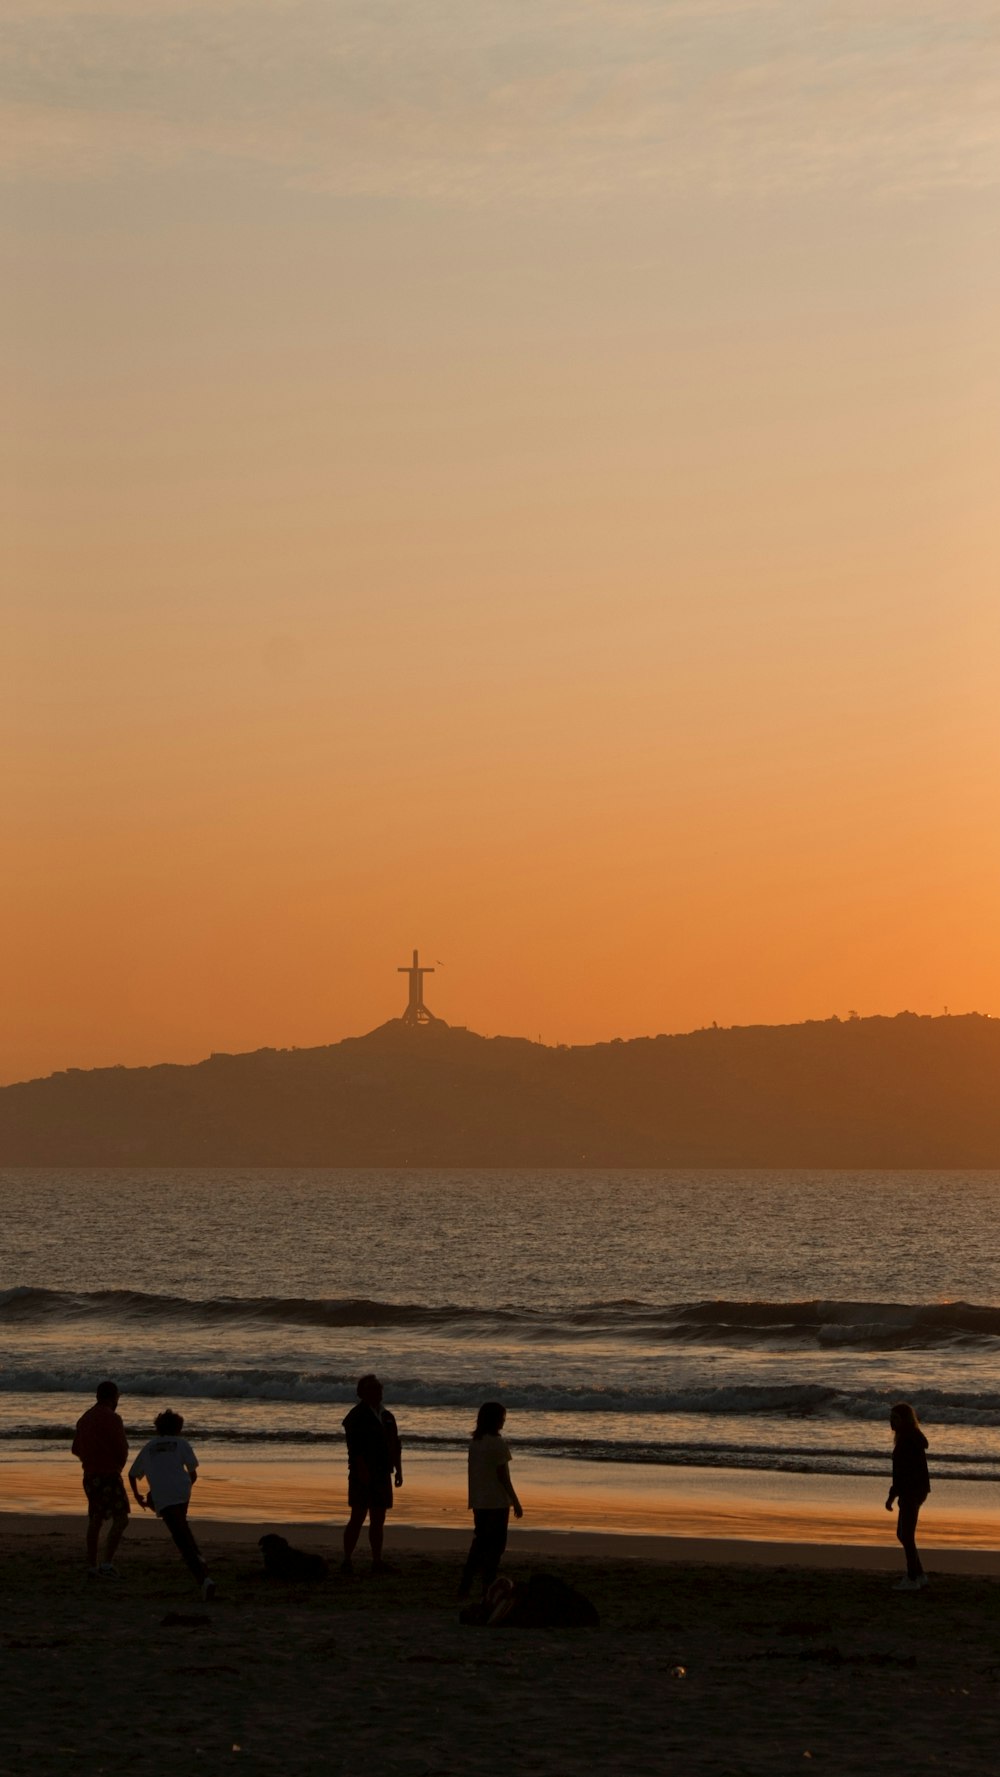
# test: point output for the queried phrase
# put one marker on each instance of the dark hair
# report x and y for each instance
(489, 1419)
(107, 1393)
(363, 1382)
(168, 1423)
(909, 1421)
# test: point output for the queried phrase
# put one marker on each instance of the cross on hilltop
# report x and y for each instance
(416, 1012)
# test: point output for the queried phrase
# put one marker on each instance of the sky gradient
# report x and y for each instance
(514, 479)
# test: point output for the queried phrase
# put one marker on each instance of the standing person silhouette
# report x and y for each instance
(491, 1496)
(374, 1456)
(910, 1486)
(102, 1447)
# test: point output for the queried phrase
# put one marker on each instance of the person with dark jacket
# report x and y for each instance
(374, 1456)
(910, 1486)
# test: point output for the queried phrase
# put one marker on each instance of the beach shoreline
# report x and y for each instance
(622, 1502)
(531, 1545)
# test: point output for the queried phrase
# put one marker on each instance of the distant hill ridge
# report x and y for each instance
(907, 1091)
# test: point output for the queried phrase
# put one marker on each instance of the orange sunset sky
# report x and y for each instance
(514, 478)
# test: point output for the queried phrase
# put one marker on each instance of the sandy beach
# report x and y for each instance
(730, 1657)
(627, 1499)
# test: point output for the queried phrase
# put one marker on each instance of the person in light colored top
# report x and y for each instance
(170, 1467)
(491, 1497)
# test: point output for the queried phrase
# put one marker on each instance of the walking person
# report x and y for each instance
(102, 1447)
(374, 1458)
(170, 1467)
(910, 1486)
(491, 1498)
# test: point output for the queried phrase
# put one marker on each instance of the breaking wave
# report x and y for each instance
(237, 1383)
(816, 1323)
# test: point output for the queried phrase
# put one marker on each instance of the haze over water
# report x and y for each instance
(739, 1320)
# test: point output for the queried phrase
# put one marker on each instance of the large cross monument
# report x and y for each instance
(416, 1012)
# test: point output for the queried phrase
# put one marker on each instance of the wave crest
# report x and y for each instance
(817, 1322)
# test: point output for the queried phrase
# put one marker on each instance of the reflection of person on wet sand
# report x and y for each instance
(374, 1455)
(910, 1486)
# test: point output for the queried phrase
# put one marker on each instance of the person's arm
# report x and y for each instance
(393, 1449)
(134, 1476)
(122, 1441)
(503, 1476)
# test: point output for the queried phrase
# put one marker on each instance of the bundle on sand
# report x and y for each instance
(542, 1601)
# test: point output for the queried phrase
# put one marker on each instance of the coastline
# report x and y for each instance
(525, 1546)
(652, 1512)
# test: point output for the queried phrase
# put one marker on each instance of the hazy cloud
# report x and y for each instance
(527, 100)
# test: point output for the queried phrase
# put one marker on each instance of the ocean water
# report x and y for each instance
(730, 1320)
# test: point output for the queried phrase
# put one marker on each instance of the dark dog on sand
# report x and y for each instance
(282, 1562)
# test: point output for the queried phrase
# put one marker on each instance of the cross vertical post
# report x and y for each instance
(416, 1012)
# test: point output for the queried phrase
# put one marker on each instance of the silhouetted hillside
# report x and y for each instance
(879, 1092)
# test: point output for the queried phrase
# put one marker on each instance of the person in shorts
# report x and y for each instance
(374, 1456)
(170, 1467)
(102, 1448)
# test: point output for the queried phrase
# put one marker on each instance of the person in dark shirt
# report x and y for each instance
(910, 1486)
(374, 1456)
(102, 1448)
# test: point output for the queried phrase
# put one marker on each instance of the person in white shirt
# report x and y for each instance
(491, 1496)
(170, 1467)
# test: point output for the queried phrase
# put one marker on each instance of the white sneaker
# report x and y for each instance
(909, 1585)
(922, 1580)
(207, 1589)
(108, 1571)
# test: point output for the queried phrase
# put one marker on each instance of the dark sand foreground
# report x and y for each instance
(699, 1665)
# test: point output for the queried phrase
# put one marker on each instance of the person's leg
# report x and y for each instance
(119, 1525)
(94, 1526)
(352, 1529)
(473, 1560)
(175, 1519)
(494, 1536)
(916, 1570)
(906, 1532)
(376, 1529)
